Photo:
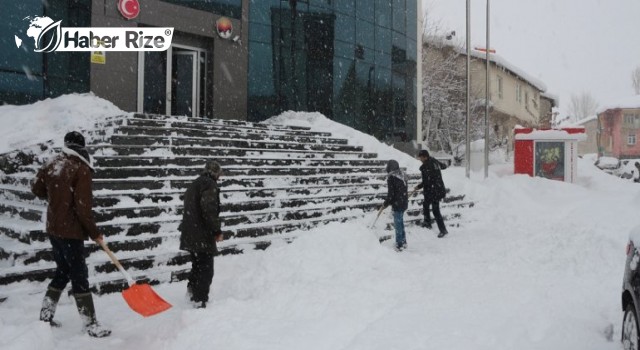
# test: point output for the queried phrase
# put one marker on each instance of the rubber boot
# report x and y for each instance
(49, 305)
(87, 311)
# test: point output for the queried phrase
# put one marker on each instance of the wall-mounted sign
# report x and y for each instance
(224, 27)
(98, 57)
(129, 9)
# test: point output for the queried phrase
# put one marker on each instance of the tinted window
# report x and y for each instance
(230, 8)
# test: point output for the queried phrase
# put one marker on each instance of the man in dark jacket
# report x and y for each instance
(434, 190)
(398, 199)
(65, 182)
(200, 230)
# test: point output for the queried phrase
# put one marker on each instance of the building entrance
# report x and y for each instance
(173, 82)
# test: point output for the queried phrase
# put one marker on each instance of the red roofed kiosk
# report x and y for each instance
(548, 153)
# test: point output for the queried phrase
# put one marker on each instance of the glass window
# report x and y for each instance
(345, 28)
(399, 16)
(383, 13)
(31, 76)
(499, 87)
(229, 8)
(365, 10)
(383, 39)
(344, 90)
(383, 59)
(345, 50)
(260, 33)
(261, 11)
(346, 6)
(631, 139)
(412, 19)
(365, 34)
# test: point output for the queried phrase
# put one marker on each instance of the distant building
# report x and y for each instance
(590, 145)
(619, 125)
(516, 97)
(548, 102)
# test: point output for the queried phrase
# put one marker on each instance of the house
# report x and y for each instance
(515, 95)
(619, 125)
(590, 145)
(516, 98)
(548, 102)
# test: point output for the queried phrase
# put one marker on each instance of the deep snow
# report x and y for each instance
(536, 264)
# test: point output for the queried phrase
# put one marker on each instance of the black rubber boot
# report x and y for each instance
(87, 311)
(49, 305)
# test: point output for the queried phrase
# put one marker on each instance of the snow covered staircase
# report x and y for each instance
(277, 179)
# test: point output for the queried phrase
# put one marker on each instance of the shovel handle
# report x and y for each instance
(377, 216)
(116, 262)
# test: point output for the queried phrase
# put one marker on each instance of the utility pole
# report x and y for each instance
(468, 131)
(487, 100)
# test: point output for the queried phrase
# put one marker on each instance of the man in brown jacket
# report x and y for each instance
(65, 182)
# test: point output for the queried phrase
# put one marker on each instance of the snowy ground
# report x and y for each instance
(537, 264)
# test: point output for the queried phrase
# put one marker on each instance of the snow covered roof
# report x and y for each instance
(441, 41)
(624, 102)
(501, 62)
(586, 120)
(555, 98)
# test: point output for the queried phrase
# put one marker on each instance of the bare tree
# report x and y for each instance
(444, 95)
(582, 105)
(635, 80)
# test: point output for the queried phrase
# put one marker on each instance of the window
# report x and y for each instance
(631, 139)
(526, 99)
(631, 120)
(499, 86)
(231, 8)
(519, 93)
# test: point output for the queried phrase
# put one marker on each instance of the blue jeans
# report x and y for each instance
(70, 265)
(398, 223)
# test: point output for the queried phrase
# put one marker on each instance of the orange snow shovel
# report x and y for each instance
(140, 297)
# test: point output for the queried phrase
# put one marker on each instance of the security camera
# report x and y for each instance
(236, 38)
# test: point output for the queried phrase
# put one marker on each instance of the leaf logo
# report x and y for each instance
(50, 38)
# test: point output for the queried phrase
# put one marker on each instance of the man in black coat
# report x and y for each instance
(434, 190)
(200, 230)
(398, 199)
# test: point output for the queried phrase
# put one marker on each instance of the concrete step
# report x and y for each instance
(226, 133)
(125, 140)
(107, 149)
(125, 172)
(231, 162)
(216, 124)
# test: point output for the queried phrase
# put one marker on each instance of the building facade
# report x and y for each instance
(352, 60)
(590, 145)
(515, 97)
(619, 131)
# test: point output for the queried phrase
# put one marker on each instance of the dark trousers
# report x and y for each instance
(200, 276)
(436, 214)
(70, 265)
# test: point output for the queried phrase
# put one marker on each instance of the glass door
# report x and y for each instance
(172, 82)
(184, 83)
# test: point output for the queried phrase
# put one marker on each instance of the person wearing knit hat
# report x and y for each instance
(200, 231)
(65, 182)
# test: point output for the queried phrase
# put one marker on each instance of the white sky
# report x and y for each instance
(571, 45)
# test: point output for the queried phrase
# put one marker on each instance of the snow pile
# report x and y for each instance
(318, 122)
(51, 119)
